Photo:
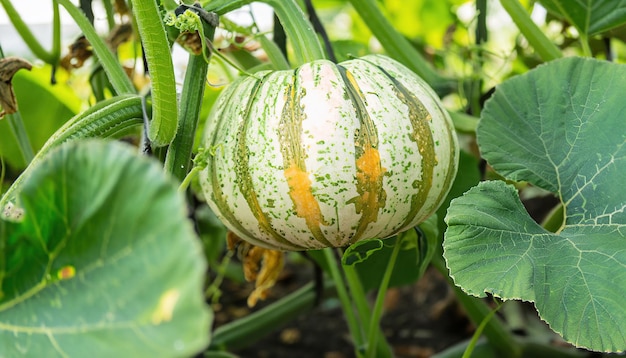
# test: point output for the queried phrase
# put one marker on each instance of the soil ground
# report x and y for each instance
(419, 320)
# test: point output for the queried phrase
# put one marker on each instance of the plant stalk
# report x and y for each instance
(178, 159)
(478, 62)
(363, 309)
(545, 48)
(50, 57)
(344, 297)
(274, 54)
(108, 9)
(300, 33)
(55, 53)
(479, 331)
(495, 331)
(356, 288)
(21, 136)
(374, 325)
(584, 44)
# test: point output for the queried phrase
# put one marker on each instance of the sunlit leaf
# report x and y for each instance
(427, 20)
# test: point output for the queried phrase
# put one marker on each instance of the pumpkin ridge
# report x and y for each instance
(243, 177)
(451, 174)
(421, 134)
(370, 173)
(305, 204)
(217, 195)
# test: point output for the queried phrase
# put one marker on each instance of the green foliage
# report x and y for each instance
(559, 127)
(423, 19)
(77, 280)
(468, 177)
(105, 261)
(417, 248)
(589, 17)
(361, 251)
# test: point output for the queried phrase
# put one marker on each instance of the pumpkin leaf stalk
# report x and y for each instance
(304, 42)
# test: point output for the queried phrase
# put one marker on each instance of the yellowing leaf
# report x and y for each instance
(66, 272)
(260, 265)
(165, 308)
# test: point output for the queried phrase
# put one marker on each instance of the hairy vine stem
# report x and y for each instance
(157, 52)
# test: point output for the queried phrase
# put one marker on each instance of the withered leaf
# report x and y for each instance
(8, 67)
(191, 41)
(121, 7)
(79, 51)
(260, 265)
(271, 266)
(119, 34)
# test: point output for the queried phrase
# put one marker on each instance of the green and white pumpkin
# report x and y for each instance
(328, 154)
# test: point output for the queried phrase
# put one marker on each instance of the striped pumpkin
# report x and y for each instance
(328, 154)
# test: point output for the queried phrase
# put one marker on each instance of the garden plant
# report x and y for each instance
(129, 196)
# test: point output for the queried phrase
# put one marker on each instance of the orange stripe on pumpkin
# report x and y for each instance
(369, 168)
(306, 206)
(372, 197)
(300, 192)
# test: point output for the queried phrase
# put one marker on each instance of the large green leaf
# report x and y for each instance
(560, 127)
(589, 16)
(104, 263)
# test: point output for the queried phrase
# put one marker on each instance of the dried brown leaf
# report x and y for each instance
(8, 67)
(119, 34)
(271, 267)
(260, 265)
(79, 51)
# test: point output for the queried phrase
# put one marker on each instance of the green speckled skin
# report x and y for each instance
(328, 154)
